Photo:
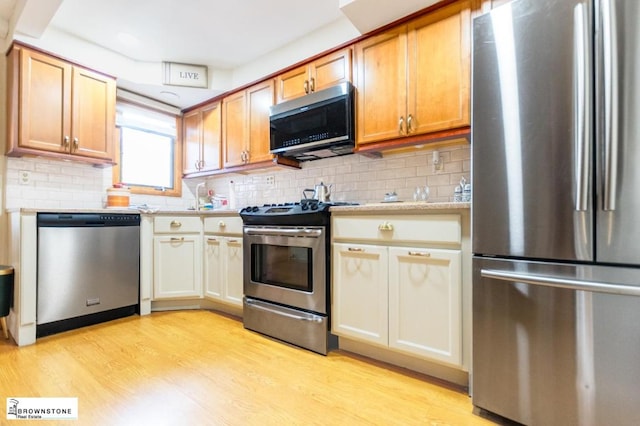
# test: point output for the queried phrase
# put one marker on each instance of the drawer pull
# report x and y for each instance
(177, 239)
(233, 241)
(175, 224)
(355, 249)
(417, 253)
(386, 226)
(212, 240)
(221, 224)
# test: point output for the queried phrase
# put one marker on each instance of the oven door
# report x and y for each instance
(286, 265)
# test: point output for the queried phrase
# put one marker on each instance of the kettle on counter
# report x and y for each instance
(321, 192)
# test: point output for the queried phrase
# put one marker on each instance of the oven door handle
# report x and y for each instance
(286, 232)
(309, 317)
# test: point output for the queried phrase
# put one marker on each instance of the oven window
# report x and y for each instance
(282, 266)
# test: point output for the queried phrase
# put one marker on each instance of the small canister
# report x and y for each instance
(118, 197)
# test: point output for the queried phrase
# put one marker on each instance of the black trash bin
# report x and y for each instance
(6, 295)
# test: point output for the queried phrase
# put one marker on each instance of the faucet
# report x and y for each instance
(198, 186)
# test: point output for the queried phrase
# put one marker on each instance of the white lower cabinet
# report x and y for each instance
(177, 257)
(360, 292)
(223, 260)
(405, 298)
(425, 302)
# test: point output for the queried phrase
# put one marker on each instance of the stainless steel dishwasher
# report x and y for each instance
(88, 269)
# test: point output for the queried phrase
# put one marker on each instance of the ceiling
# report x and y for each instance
(224, 35)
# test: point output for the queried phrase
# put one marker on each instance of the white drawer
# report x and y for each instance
(231, 225)
(431, 228)
(177, 224)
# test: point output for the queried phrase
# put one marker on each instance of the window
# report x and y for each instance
(148, 150)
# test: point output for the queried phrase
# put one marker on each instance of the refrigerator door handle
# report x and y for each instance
(560, 282)
(610, 77)
(581, 109)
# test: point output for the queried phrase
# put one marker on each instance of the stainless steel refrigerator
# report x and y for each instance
(556, 212)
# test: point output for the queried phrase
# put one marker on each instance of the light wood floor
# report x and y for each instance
(203, 368)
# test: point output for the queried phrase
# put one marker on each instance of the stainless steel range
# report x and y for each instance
(287, 273)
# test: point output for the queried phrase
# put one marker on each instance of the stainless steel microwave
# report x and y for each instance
(314, 126)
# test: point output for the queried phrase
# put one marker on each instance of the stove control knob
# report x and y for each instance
(304, 206)
(255, 209)
(314, 206)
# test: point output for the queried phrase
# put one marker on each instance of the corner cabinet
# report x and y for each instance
(59, 109)
(223, 259)
(415, 79)
(397, 283)
(245, 125)
(327, 71)
(202, 139)
(177, 257)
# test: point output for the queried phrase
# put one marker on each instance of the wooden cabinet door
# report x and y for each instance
(293, 83)
(191, 141)
(360, 292)
(213, 266)
(234, 290)
(93, 114)
(381, 79)
(425, 314)
(211, 142)
(330, 70)
(259, 99)
(439, 69)
(234, 133)
(177, 266)
(45, 102)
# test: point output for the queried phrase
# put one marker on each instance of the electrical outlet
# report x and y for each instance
(270, 180)
(24, 177)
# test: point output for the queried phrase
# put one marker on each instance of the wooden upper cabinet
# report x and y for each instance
(245, 125)
(415, 79)
(324, 72)
(93, 114)
(381, 80)
(58, 108)
(234, 128)
(191, 141)
(259, 98)
(439, 69)
(202, 139)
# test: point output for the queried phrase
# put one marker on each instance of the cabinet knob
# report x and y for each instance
(385, 226)
(76, 143)
(401, 125)
(221, 224)
(417, 253)
(306, 86)
(175, 224)
(312, 85)
(65, 142)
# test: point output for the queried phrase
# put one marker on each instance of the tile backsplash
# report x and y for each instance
(355, 178)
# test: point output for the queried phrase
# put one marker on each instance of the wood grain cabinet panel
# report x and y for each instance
(202, 139)
(245, 125)
(58, 108)
(414, 79)
(327, 71)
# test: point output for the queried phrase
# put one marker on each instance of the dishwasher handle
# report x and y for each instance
(561, 282)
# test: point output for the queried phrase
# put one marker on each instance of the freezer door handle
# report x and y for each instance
(581, 110)
(561, 282)
(610, 77)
